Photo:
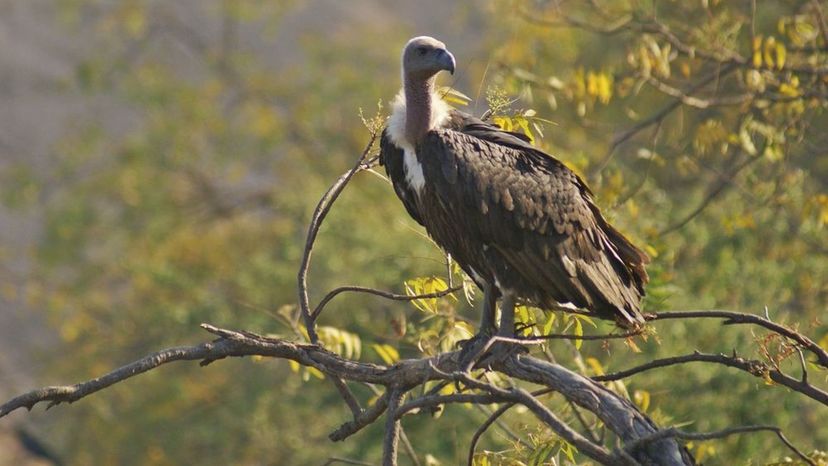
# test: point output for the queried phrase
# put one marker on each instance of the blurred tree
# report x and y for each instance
(700, 125)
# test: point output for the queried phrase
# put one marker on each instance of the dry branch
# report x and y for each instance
(751, 366)
(619, 414)
(734, 318)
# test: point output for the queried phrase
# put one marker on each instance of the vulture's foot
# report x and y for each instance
(472, 350)
(483, 349)
(503, 350)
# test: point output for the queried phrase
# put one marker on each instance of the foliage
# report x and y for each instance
(198, 213)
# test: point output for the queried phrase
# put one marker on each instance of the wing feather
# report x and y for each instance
(538, 215)
(393, 158)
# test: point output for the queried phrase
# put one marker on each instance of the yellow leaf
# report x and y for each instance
(425, 285)
(135, 19)
(632, 345)
(578, 331)
(824, 342)
(642, 399)
(604, 86)
(595, 365)
(550, 322)
(781, 53)
(757, 52)
(448, 389)
(387, 353)
(505, 123)
(454, 96)
(767, 52)
(315, 372)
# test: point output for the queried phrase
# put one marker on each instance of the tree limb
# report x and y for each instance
(753, 367)
(392, 429)
(735, 318)
(620, 415)
(319, 214)
(676, 433)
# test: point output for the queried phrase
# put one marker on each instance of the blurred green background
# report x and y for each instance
(159, 162)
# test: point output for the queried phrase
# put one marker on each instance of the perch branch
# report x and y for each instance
(620, 415)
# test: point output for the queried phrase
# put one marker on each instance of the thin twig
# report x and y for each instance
(823, 26)
(385, 294)
(322, 209)
(485, 426)
(504, 428)
(753, 367)
(659, 115)
(566, 336)
(583, 422)
(335, 459)
(437, 400)
(735, 318)
(409, 449)
(717, 187)
(347, 395)
(363, 419)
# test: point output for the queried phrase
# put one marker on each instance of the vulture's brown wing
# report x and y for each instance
(538, 215)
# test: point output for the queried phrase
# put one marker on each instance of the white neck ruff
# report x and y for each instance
(396, 133)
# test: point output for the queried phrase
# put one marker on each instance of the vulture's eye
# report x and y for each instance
(422, 50)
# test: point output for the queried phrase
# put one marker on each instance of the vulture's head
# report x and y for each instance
(424, 56)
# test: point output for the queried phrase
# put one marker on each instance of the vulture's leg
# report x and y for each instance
(507, 315)
(487, 319)
(472, 347)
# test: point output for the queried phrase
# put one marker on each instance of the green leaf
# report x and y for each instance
(568, 450)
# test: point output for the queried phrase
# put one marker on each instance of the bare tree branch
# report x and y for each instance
(676, 433)
(483, 427)
(385, 294)
(319, 214)
(620, 415)
(363, 419)
(659, 115)
(335, 459)
(753, 367)
(736, 318)
(392, 429)
(716, 188)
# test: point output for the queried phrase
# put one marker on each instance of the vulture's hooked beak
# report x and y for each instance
(446, 60)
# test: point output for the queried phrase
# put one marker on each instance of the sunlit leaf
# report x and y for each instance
(642, 399)
(387, 353)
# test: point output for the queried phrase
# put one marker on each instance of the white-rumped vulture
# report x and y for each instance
(517, 220)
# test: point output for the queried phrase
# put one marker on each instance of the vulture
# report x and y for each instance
(520, 223)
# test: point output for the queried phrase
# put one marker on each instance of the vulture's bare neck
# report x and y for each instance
(418, 107)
